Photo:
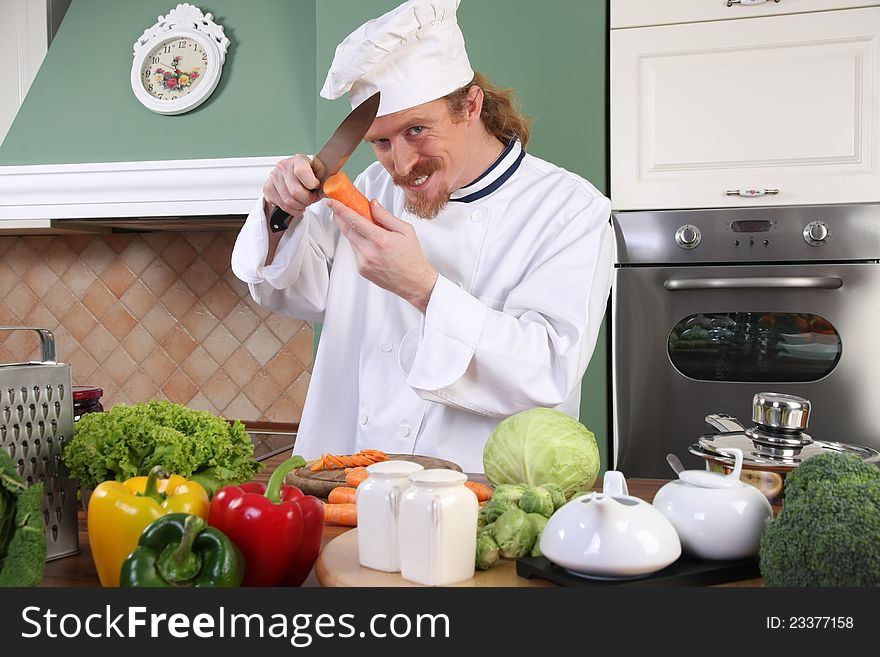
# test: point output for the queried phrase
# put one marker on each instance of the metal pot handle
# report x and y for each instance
(47, 342)
(724, 423)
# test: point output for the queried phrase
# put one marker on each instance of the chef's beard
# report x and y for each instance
(421, 203)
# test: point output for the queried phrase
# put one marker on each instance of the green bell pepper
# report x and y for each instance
(180, 549)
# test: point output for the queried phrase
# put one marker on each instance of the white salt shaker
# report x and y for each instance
(438, 528)
(378, 501)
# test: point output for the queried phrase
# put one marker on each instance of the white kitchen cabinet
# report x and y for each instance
(789, 104)
(26, 30)
(638, 13)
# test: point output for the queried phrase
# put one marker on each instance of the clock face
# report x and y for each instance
(174, 68)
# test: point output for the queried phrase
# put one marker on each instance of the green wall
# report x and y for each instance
(80, 107)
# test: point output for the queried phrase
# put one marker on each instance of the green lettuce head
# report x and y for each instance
(540, 446)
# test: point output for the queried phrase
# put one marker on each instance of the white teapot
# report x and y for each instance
(610, 535)
(717, 516)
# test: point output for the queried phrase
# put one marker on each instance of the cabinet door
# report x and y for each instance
(638, 13)
(787, 103)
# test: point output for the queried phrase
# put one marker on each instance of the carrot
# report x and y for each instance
(340, 188)
(355, 476)
(335, 461)
(342, 495)
(340, 514)
(482, 491)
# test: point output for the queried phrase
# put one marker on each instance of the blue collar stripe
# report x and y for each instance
(495, 185)
(497, 161)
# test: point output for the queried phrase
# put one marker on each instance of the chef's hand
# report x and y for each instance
(388, 252)
(289, 187)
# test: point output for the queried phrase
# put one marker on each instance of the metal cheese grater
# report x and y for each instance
(36, 423)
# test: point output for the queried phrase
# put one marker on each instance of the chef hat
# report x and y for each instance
(413, 54)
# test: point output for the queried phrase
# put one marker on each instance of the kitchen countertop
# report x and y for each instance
(78, 570)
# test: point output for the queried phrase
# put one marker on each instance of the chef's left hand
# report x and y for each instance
(388, 252)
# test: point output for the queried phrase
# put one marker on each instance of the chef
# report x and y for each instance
(480, 288)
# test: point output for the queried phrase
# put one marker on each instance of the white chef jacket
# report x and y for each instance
(525, 259)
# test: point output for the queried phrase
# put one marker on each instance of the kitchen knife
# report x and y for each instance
(333, 156)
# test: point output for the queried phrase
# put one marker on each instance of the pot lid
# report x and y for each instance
(713, 446)
(777, 441)
(709, 479)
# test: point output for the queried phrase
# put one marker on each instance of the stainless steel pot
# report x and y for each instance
(774, 446)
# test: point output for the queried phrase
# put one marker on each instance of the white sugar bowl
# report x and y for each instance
(717, 516)
(610, 535)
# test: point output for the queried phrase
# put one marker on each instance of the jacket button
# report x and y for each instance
(363, 418)
(405, 430)
(476, 216)
(386, 347)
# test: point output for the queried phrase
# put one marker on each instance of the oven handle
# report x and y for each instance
(811, 282)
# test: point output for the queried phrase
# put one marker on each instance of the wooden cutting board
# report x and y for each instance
(320, 483)
(338, 565)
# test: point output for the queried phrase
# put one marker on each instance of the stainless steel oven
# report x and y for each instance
(710, 307)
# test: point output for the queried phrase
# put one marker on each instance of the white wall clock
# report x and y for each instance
(177, 62)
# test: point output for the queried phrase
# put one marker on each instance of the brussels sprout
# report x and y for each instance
(536, 548)
(556, 493)
(494, 508)
(514, 533)
(508, 494)
(539, 522)
(487, 551)
(537, 500)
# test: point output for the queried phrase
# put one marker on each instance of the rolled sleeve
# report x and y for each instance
(449, 335)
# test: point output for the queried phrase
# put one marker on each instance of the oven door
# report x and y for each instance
(690, 341)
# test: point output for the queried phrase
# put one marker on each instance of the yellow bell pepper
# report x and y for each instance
(119, 511)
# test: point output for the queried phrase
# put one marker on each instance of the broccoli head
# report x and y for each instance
(846, 469)
(827, 531)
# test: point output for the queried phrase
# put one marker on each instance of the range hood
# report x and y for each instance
(209, 194)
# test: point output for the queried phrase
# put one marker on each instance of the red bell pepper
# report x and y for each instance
(277, 528)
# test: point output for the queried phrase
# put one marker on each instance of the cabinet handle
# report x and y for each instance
(748, 193)
(747, 2)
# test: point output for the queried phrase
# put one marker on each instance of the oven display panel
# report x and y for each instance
(751, 226)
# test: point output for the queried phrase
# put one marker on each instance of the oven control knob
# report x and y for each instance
(815, 233)
(688, 236)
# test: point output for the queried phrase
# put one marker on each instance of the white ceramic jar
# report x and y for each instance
(378, 504)
(716, 516)
(438, 528)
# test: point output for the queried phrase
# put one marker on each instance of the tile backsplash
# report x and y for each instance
(154, 316)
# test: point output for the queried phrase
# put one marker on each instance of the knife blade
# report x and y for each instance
(335, 153)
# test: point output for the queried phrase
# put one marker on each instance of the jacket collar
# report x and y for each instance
(493, 177)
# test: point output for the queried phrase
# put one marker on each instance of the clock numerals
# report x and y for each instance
(175, 69)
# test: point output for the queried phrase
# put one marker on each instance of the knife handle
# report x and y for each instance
(279, 220)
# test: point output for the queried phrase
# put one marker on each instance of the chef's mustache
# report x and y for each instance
(421, 168)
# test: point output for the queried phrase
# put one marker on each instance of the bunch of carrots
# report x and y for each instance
(341, 507)
(363, 458)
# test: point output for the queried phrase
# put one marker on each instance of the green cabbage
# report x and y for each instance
(540, 446)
